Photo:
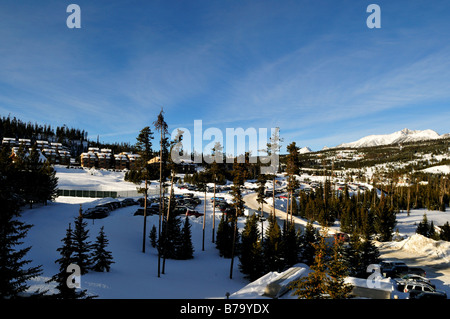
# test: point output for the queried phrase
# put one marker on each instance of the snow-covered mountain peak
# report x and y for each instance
(403, 136)
(304, 150)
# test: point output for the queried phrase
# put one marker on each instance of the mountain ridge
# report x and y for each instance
(403, 136)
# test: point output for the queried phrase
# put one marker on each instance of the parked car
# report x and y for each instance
(180, 210)
(222, 206)
(129, 202)
(415, 288)
(431, 295)
(96, 213)
(150, 211)
(413, 277)
(400, 271)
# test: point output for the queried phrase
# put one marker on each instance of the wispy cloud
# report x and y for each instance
(308, 68)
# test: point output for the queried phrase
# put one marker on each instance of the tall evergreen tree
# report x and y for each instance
(444, 234)
(170, 240)
(81, 246)
(290, 245)
(101, 258)
(273, 247)
(250, 257)
(337, 271)
(224, 237)
(153, 237)
(307, 242)
(384, 219)
(67, 258)
(292, 169)
(161, 126)
(186, 249)
(222, 242)
(424, 227)
(144, 144)
(13, 272)
(314, 286)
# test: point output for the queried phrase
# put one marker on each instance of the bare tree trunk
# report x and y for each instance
(145, 217)
(273, 197)
(214, 212)
(408, 198)
(287, 210)
(167, 224)
(234, 244)
(204, 217)
(160, 202)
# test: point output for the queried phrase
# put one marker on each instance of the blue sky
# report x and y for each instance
(312, 68)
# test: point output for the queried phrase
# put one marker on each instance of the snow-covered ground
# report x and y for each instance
(134, 273)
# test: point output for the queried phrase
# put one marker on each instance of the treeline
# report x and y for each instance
(16, 128)
(75, 139)
(371, 212)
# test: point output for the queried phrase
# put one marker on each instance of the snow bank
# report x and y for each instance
(425, 246)
(440, 169)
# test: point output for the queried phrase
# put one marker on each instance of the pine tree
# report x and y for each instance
(445, 232)
(101, 258)
(144, 144)
(153, 237)
(222, 237)
(359, 254)
(423, 227)
(384, 219)
(369, 253)
(273, 247)
(260, 191)
(48, 187)
(81, 246)
(353, 257)
(290, 245)
(307, 241)
(250, 257)
(13, 274)
(186, 249)
(292, 169)
(314, 286)
(170, 240)
(337, 271)
(67, 258)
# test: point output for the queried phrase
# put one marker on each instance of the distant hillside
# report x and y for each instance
(407, 157)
